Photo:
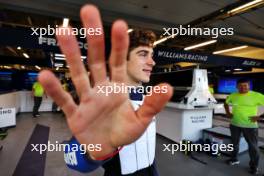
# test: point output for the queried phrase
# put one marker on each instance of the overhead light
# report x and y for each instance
(230, 49)
(129, 30)
(23, 67)
(238, 69)
(60, 58)
(19, 48)
(57, 68)
(26, 55)
(58, 64)
(160, 41)
(7, 67)
(38, 67)
(63, 58)
(246, 6)
(172, 36)
(227, 70)
(59, 55)
(200, 45)
(164, 39)
(65, 22)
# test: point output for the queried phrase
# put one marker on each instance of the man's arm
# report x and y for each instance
(257, 118)
(227, 110)
(261, 103)
(33, 92)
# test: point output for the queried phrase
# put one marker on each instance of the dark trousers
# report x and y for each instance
(251, 136)
(37, 102)
(113, 168)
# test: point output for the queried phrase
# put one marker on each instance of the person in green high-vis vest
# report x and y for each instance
(244, 118)
(38, 92)
(211, 88)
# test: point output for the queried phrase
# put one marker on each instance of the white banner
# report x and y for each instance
(7, 117)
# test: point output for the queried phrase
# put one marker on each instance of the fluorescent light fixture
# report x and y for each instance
(238, 69)
(227, 70)
(160, 41)
(200, 45)
(63, 58)
(164, 39)
(65, 22)
(7, 67)
(37, 67)
(19, 48)
(245, 6)
(172, 36)
(60, 58)
(129, 30)
(58, 64)
(59, 55)
(26, 55)
(230, 49)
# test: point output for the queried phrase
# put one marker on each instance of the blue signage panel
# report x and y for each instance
(164, 56)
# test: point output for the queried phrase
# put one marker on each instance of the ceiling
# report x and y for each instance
(155, 15)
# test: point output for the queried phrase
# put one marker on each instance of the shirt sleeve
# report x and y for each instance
(76, 158)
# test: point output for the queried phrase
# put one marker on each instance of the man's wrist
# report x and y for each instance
(93, 155)
(105, 156)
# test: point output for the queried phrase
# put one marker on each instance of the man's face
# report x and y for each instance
(243, 87)
(140, 64)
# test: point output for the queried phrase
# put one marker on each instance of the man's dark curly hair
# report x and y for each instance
(141, 37)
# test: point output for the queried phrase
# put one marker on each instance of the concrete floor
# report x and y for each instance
(177, 164)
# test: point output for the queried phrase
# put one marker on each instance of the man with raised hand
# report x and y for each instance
(124, 128)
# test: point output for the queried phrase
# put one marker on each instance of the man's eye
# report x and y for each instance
(143, 55)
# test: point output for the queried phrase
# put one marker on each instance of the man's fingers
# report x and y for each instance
(118, 57)
(96, 47)
(70, 48)
(54, 89)
(154, 103)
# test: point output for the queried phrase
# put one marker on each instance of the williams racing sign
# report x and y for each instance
(164, 56)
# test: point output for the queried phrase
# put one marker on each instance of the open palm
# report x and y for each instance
(109, 120)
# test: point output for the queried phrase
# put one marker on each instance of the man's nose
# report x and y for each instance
(151, 61)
